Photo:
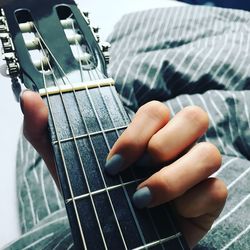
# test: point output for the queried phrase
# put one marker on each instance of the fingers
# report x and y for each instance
(208, 197)
(149, 119)
(199, 207)
(176, 179)
(182, 131)
(151, 131)
(35, 127)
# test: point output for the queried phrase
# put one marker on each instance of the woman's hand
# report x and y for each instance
(197, 198)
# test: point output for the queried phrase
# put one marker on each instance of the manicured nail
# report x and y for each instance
(142, 197)
(114, 165)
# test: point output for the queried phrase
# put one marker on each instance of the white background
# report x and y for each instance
(102, 13)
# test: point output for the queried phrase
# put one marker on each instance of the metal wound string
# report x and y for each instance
(109, 147)
(165, 209)
(114, 94)
(98, 73)
(92, 144)
(118, 134)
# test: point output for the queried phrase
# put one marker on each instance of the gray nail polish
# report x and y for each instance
(114, 165)
(142, 197)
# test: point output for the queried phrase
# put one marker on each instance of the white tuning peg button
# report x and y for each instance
(4, 70)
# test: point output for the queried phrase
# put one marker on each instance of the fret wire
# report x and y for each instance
(160, 241)
(119, 176)
(64, 163)
(104, 190)
(60, 148)
(90, 134)
(96, 158)
(148, 212)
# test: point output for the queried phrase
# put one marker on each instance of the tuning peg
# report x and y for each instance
(95, 29)
(105, 46)
(7, 43)
(3, 25)
(4, 70)
(86, 16)
(13, 65)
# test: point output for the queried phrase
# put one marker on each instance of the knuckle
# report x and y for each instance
(129, 140)
(155, 149)
(211, 156)
(155, 110)
(197, 115)
(168, 187)
(218, 191)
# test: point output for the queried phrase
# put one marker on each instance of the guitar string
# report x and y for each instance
(104, 102)
(165, 210)
(115, 96)
(100, 123)
(122, 112)
(133, 173)
(73, 136)
(91, 142)
(61, 151)
(120, 178)
(62, 154)
(72, 131)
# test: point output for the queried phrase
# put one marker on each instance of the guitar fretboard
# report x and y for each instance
(84, 125)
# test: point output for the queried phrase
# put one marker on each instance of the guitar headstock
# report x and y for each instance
(50, 42)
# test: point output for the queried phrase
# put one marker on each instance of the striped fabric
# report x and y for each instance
(180, 56)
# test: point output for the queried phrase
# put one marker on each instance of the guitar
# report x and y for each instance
(50, 47)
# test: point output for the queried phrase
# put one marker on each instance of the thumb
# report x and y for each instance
(35, 127)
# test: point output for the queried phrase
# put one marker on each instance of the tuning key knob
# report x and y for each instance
(105, 46)
(7, 43)
(13, 65)
(95, 29)
(86, 16)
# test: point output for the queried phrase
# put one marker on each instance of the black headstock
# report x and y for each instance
(50, 42)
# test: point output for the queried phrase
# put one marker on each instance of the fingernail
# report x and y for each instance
(21, 99)
(114, 165)
(142, 197)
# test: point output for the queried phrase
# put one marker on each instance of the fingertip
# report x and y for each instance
(142, 197)
(114, 164)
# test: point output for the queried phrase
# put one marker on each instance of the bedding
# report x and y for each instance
(181, 56)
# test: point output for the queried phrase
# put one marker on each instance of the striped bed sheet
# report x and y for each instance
(181, 56)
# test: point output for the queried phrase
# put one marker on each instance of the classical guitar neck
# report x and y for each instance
(84, 125)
